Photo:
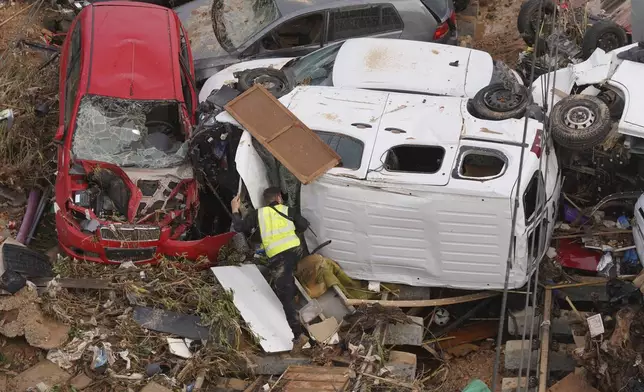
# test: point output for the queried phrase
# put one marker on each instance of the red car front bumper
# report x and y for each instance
(92, 247)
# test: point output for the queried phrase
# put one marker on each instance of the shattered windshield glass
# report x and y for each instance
(314, 69)
(129, 133)
(235, 21)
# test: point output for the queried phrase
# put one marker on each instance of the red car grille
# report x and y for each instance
(133, 233)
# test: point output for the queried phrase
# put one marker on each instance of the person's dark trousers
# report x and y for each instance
(282, 270)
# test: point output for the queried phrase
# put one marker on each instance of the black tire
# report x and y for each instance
(273, 79)
(497, 102)
(580, 122)
(614, 101)
(461, 5)
(528, 13)
(604, 34)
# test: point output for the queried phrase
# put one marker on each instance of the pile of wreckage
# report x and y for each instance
(440, 188)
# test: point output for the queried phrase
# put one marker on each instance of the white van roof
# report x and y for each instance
(382, 120)
(403, 65)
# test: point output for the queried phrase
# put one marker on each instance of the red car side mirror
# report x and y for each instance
(60, 133)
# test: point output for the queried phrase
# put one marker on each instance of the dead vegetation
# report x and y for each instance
(164, 286)
(28, 81)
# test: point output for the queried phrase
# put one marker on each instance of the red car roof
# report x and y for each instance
(134, 51)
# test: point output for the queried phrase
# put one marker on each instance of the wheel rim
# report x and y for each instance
(579, 117)
(502, 100)
(608, 42)
(270, 83)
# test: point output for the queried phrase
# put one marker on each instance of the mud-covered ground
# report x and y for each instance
(490, 25)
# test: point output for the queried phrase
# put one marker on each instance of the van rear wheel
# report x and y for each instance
(580, 122)
(274, 80)
(498, 102)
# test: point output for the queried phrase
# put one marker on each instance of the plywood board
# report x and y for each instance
(572, 382)
(258, 305)
(298, 148)
(471, 333)
(314, 378)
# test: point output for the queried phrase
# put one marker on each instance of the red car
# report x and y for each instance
(124, 188)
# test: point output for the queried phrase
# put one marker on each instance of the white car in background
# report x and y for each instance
(592, 98)
(425, 190)
(389, 65)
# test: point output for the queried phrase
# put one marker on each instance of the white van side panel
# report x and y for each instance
(422, 239)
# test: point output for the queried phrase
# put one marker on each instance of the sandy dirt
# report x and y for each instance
(479, 364)
(22, 316)
(496, 30)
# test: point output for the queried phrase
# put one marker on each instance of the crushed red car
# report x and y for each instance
(124, 188)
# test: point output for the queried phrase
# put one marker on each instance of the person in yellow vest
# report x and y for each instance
(278, 226)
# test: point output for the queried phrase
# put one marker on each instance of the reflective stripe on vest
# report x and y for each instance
(278, 233)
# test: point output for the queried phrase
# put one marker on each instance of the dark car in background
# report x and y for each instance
(224, 32)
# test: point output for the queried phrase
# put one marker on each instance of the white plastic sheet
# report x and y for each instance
(258, 305)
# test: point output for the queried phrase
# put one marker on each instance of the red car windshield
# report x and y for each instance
(129, 133)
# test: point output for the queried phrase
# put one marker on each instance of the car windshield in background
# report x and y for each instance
(235, 21)
(315, 69)
(128, 133)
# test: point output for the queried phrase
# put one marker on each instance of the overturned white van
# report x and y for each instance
(425, 191)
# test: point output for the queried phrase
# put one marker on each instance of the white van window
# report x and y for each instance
(530, 196)
(537, 239)
(349, 149)
(479, 164)
(415, 159)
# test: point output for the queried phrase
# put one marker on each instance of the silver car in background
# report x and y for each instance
(224, 32)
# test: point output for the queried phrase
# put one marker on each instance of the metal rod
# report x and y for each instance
(44, 200)
(534, 297)
(511, 253)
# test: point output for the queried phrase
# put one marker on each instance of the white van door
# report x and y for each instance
(417, 140)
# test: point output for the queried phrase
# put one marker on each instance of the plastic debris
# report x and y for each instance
(127, 265)
(103, 357)
(73, 351)
(595, 325)
(180, 347)
(7, 115)
(125, 356)
(609, 224)
(630, 257)
(476, 386)
(441, 317)
(572, 215)
(623, 223)
(157, 368)
(605, 264)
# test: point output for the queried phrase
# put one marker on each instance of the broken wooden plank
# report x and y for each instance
(599, 233)
(471, 333)
(425, 302)
(572, 382)
(73, 283)
(296, 146)
(392, 382)
(545, 341)
(314, 378)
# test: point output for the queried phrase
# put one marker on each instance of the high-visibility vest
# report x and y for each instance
(278, 233)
